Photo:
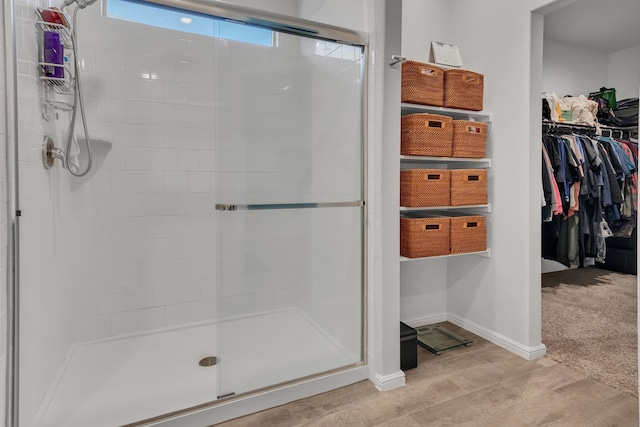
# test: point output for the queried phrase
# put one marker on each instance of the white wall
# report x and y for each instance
(624, 72)
(423, 297)
(494, 296)
(573, 70)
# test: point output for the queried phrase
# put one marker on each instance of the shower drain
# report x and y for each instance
(208, 361)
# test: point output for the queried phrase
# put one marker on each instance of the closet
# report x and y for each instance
(590, 190)
(579, 59)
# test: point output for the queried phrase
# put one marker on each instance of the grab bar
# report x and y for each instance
(223, 207)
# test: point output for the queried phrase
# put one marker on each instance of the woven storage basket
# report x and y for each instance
(463, 89)
(468, 234)
(422, 84)
(423, 237)
(468, 187)
(469, 139)
(426, 135)
(425, 187)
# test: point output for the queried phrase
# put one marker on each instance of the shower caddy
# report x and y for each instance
(55, 91)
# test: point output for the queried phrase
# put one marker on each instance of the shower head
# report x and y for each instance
(81, 3)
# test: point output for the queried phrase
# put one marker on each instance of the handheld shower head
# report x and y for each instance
(81, 3)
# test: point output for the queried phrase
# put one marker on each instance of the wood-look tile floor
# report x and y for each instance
(480, 385)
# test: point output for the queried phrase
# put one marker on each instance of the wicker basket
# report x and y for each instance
(469, 139)
(468, 187)
(425, 187)
(422, 84)
(424, 237)
(463, 89)
(426, 135)
(468, 234)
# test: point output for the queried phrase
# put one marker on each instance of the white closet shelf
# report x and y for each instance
(486, 162)
(484, 208)
(484, 254)
(451, 112)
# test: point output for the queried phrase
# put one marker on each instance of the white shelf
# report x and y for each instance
(451, 112)
(486, 162)
(485, 254)
(484, 208)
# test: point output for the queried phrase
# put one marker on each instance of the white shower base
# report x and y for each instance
(118, 381)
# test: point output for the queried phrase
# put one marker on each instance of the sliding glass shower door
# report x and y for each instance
(289, 151)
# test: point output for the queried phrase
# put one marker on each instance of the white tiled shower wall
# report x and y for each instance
(132, 246)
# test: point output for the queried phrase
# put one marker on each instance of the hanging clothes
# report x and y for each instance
(590, 190)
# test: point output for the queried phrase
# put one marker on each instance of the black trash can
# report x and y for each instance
(408, 347)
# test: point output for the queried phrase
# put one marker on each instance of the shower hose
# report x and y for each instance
(77, 100)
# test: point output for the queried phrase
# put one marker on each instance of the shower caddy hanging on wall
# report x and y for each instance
(61, 88)
(57, 92)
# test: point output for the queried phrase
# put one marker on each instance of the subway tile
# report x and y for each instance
(126, 275)
(163, 159)
(200, 95)
(110, 110)
(177, 314)
(204, 310)
(135, 65)
(150, 90)
(96, 327)
(151, 136)
(126, 322)
(187, 204)
(188, 160)
(138, 205)
(85, 303)
(162, 68)
(151, 318)
(151, 181)
(164, 204)
(163, 114)
(123, 135)
(123, 87)
(151, 227)
(152, 272)
(187, 72)
(137, 112)
(123, 228)
(176, 182)
(139, 250)
(186, 115)
(165, 294)
(139, 297)
(114, 159)
(124, 181)
(164, 249)
(177, 270)
(176, 93)
(199, 182)
(111, 301)
(138, 159)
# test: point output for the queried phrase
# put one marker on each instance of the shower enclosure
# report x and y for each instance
(216, 247)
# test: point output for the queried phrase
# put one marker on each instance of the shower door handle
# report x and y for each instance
(272, 206)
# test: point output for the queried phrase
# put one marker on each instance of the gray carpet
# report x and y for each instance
(589, 324)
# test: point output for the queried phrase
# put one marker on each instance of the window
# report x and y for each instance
(146, 13)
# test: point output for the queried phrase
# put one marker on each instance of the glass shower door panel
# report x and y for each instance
(289, 211)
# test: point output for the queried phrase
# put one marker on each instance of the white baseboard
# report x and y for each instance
(529, 353)
(389, 382)
(436, 318)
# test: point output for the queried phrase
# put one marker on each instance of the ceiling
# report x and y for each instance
(604, 25)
